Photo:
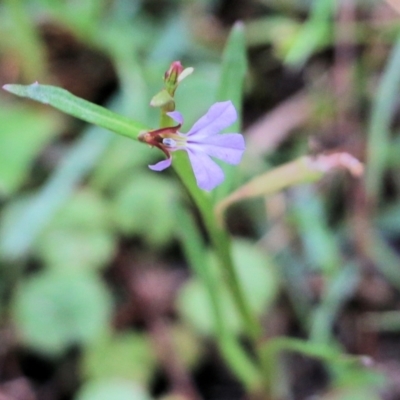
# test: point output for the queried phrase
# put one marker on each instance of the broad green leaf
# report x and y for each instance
(194, 296)
(53, 311)
(127, 356)
(115, 389)
(24, 133)
(142, 206)
(79, 108)
(79, 236)
(72, 248)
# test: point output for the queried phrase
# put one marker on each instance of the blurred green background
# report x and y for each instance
(97, 296)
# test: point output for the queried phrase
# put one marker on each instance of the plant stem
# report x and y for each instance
(221, 243)
(245, 368)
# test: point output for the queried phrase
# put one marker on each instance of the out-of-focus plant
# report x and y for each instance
(197, 171)
(234, 283)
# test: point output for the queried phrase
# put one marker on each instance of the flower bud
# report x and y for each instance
(175, 74)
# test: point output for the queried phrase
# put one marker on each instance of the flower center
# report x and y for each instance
(169, 142)
(174, 141)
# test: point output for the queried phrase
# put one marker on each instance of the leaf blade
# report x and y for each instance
(77, 107)
(234, 68)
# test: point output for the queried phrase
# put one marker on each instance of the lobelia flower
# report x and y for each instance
(201, 142)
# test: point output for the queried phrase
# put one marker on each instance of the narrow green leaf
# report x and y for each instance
(383, 108)
(77, 310)
(314, 34)
(314, 350)
(243, 367)
(79, 108)
(302, 170)
(234, 67)
(339, 288)
(272, 349)
(292, 173)
(386, 259)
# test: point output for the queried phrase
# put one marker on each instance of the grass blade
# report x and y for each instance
(383, 109)
(234, 67)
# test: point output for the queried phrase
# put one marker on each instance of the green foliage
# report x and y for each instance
(24, 133)
(73, 199)
(22, 39)
(18, 236)
(201, 87)
(80, 108)
(230, 87)
(115, 389)
(308, 216)
(315, 34)
(142, 206)
(126, 356)
(55, 310)
(379, 126)
(121, 159)
(257, 277)
(79, 236)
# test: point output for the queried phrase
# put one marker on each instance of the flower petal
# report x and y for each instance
(228, 147)
(218, 117)
(207, 173)
(176, 116)
(160, 166)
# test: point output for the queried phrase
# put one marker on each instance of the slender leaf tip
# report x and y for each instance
(7, 87)
(238, 25)
(19, 90)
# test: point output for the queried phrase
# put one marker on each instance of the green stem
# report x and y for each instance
(194, 249)
(221, 243)
(251, 374)
(235, 355)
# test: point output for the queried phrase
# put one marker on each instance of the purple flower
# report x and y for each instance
(201, 142)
